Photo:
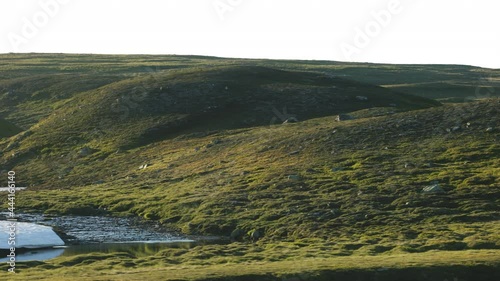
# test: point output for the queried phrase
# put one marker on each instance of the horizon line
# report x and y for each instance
(248, 58)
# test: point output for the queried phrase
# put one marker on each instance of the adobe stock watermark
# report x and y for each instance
(363, 36)
(222, 7)
(32, 26)
(12, 221)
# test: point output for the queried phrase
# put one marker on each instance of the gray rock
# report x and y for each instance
(85, 151)
(434, 188)
(291, 120)
(335, 212)
(409, 166)
(255, 235)
(343, 117)
(428, 165)
(237, 234)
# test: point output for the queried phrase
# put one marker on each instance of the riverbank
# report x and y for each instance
(476, 265)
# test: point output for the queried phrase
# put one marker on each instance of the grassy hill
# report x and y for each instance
(37, 81)
(197, 144)
(447, 83)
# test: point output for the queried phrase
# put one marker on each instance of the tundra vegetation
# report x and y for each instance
(312, 170)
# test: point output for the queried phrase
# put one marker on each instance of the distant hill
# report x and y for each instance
(36, 81)
(139, 110)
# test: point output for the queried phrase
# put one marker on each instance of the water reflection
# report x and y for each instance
(37, 255)
(137, 249)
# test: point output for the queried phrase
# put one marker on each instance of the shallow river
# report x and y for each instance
(88, 234)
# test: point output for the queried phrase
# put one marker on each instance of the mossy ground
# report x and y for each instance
(242, 263)
(327, 197)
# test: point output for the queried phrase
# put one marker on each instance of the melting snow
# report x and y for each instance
(29, 235)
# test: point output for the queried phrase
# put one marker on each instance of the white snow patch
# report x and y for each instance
(29, 235)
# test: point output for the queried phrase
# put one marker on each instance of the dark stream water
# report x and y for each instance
(90, 234)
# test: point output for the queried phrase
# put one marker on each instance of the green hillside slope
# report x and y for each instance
(402, 184)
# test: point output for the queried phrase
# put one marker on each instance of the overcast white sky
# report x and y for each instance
(392, 31)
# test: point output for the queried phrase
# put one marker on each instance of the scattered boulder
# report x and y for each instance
(489, 129)
(214, 142)
(237, 234)
(144, 166)
(291, 120)
(428, 165)
(294, 152)
(130, 177)
(343, 117)
(434, 188)
(453, 129)
(85, 151)
(335, 211)
(294, 177)
(409, 165)
(255, 235)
